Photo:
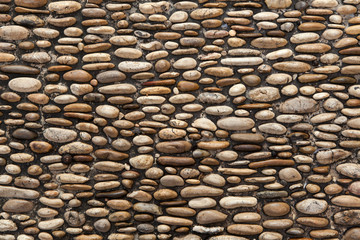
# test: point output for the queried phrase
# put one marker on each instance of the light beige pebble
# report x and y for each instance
(142, 161)
(290, 175)
(324, 3)
(14, 33)
(178, 17)
(329, 58)
(264, 94)
(7, 226)
(261, 16)
(346, 201)
(59, 135)
(266, 25)
(24, 84)
(214, 180)
(219, 110)
(227, 155)
(237, 89)
(283, 53)
(312, 206)
(235, 123)
(248, 61)
(235, 202)
(304, 37)
(204, 123)
(289, 90)
(264, 115)
(332, 34)
(51, 224)
(107, 111)
(307, 90)
(270, 236)
(155, 7)
(185, 63)
(273, 128)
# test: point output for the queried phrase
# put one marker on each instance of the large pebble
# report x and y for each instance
(235, 123)
(312, 206)
(14, 33)
(25, 84)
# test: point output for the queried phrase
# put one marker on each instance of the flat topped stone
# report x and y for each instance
(348, 217)
(129, 66)
(76, 148)
(78, 76)
(17, 206)
(200, 191)
(64, 7)
(264, 94)
(13, 33)
(324, 3)
(51, 224)
(246, 61)
(31, 3)
(292, 66)
(7, 226)
(227, 237)
(235, 123)
(59, 135)
(210, 217)
(331, 156)
(219, 71)
(351, 170)
(312, 206)
(236, 202)
(14, 192)
(24, 84)
(346, 201)
(119, 89)
(245, 229)
(269, 42)
(205, 13)
(299, 105)
(185, 63)
(154, 7)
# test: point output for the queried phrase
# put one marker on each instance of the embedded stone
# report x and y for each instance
(24, 84)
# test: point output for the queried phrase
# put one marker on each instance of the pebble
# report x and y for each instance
(264, 94)
(59, 135)
(235, 123)
(24, 84)
(351, 170)
(235, 202)
(210, 216)
(64, 7)
(7, 226)
(17, 206)
(245, 229)
(312, 206)
(203, 202)
(14, 33)
(51, 224)
(276, 209)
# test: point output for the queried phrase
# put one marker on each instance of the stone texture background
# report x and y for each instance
(219, 120)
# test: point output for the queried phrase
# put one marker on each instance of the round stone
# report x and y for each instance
(290, 175)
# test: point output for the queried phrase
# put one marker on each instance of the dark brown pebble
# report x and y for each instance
(175, 161)
(272, 163)
(247, 148)
(111, 194)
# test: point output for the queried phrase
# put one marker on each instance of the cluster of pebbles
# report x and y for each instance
(184, 120)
